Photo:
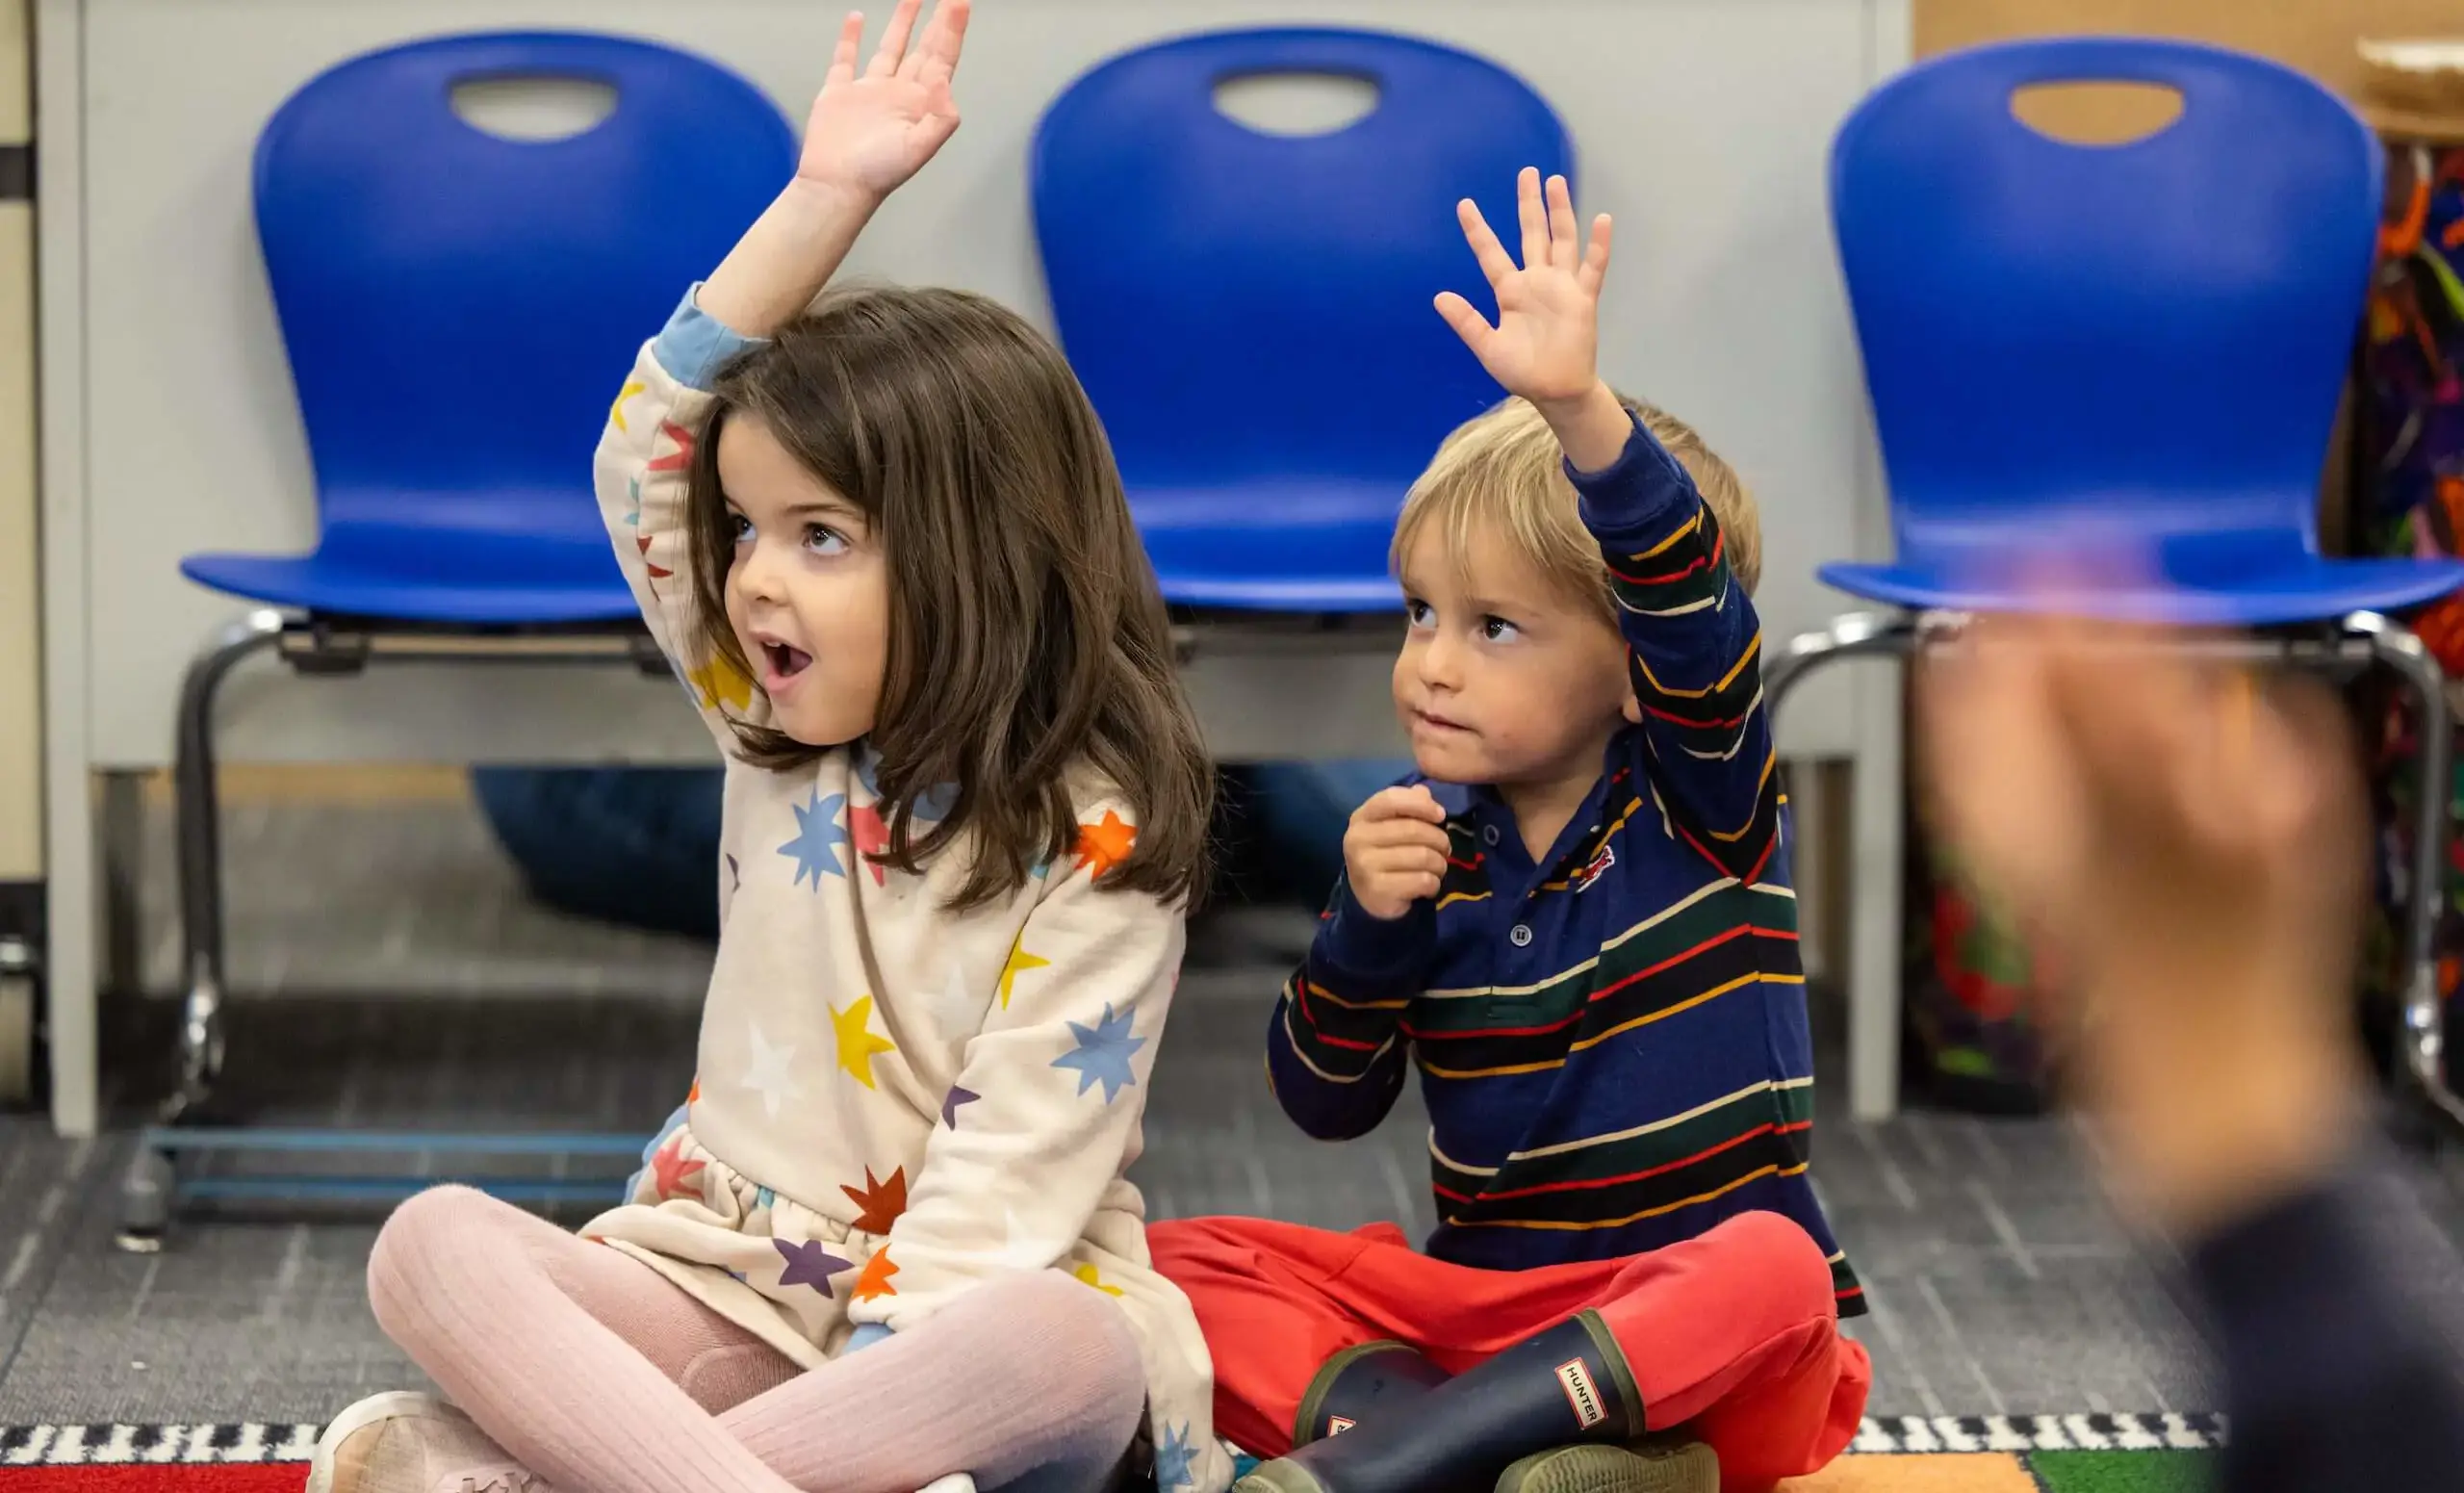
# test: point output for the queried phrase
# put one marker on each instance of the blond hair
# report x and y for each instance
(1502, 472)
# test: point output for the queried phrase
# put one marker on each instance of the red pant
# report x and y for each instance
(1733, 1334)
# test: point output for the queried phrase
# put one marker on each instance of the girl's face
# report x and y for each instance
(807, 589)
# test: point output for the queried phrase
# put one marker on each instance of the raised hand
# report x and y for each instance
(1546, 343)
(869, 133)
(872, 130)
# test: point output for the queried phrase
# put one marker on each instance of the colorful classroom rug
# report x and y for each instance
(2039, 1453)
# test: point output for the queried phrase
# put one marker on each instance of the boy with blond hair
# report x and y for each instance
(1575, 920)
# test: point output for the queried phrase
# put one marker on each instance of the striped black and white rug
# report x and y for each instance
(71, 1445)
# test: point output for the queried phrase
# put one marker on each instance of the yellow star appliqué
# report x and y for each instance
(857, 1045)
(1086, 1273)
(1020, 962)
(719, 683)
(616, 411)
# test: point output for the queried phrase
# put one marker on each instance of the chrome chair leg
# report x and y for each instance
(200, 864)
(149, 1186)
(2424, 1035)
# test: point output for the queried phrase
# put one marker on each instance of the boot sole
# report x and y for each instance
(1679, 1467)
(1278, 1476)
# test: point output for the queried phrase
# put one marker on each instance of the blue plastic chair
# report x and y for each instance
(457, 307)
(452, 302)
(1251, 312)
(2077, 348)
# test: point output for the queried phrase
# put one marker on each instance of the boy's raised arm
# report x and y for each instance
(1693, 637)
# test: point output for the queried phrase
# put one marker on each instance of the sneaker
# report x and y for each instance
(413, 1443)
(1654, 1466)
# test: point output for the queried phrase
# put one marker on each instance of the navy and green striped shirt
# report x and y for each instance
(1612, 1041)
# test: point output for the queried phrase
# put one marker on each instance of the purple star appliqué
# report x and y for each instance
(809, 1264)
(950, 1104)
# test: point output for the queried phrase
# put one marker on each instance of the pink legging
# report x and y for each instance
(603, 1376)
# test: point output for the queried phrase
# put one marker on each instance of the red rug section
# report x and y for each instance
(158, 1478)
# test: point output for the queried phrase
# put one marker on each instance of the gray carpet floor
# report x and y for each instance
(396, 974)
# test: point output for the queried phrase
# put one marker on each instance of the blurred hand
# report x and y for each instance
(1395, 851)
(2186, 842)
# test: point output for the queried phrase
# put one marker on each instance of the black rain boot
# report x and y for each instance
(1372, 1376)
(1568, 1384)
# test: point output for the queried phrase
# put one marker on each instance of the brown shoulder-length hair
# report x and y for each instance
(1027, 645)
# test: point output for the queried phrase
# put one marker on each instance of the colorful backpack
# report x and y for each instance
(2411, 445)
(1975, 1036)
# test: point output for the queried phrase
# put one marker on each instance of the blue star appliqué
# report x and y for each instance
(1173, 1455)
(1102, 1054)
(818, 837)
(933, 804)
(764, 1198)
(633, 515)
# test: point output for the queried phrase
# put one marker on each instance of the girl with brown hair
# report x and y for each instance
(882, 538)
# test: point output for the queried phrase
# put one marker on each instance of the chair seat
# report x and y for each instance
(2181, 588)
(442, 575)
(1286, 545)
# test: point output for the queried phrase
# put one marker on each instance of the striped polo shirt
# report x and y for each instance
(1612, 1040)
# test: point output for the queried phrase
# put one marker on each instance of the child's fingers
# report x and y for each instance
(936, 59)
(1495, 262)
(850, 44)
(1422, 836)
(1396, 860)
(1403, 802)
(1564, 235)
(1594, 257)
(1468, 323)
(893, 48)
(1535, 215)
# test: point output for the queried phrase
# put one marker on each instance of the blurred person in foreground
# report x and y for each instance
(2186, 842)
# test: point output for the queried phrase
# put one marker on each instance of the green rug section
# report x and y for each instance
(2076, 1471)
(2122, 1472)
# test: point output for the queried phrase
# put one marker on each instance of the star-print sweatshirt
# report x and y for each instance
(1611, 1038)
(894, 1102)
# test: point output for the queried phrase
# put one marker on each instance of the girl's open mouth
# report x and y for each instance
(784, 662)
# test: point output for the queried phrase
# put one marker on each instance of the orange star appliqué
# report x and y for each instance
(670, 1170)
(874, 1283)
(1107, 844)
(870, 832)
(881, 1202)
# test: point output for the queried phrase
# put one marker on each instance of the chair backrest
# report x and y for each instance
(2149, 334)
(460, 307)
(1244, 304)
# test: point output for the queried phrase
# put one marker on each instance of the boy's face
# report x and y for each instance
(1503, 679)
(808, 590)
